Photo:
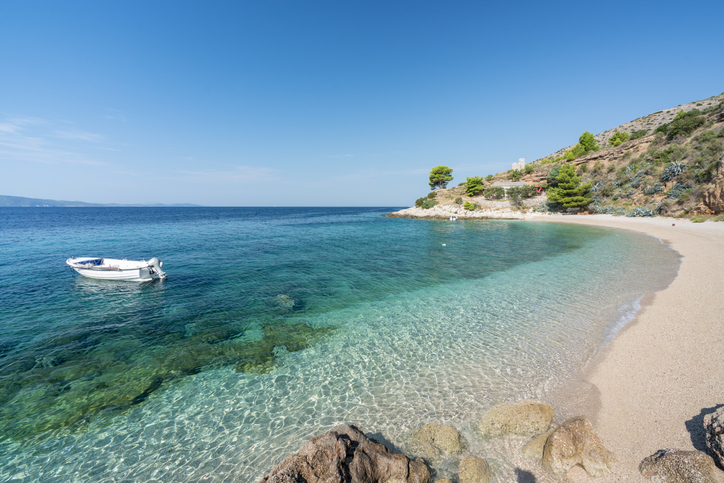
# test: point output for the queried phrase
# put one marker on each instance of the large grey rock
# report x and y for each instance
(714, 427)
(575, 443)
(524, 418)
(432, 441)
(346, 455)
(678, 466)
(474, 470)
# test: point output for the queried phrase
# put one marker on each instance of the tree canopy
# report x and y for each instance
(586, 144)
(440, 176)
(474, 185)
(570, 192)
(618, 137)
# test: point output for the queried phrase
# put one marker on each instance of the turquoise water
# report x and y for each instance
(276, 324)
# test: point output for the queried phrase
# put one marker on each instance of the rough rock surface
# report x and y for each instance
(534, 449)
(432, 441)
(714, 427)
(474, 470)
(524, 418)
(575, 443)
(346, 455)
(678, 466)
(714, 199)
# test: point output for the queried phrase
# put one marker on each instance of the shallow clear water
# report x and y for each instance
(276, 324)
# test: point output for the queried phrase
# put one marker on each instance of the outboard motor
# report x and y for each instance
(155, 267)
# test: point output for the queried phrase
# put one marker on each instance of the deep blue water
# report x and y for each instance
(276, 323)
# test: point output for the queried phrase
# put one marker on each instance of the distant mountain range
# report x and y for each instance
(20, 202)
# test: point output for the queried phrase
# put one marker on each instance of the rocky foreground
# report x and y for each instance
(346, 455)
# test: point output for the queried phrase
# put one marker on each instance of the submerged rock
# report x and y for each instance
(714, 427)
(285, 302)
(474, 470)
(346, 455)
(677, 466)
(432, 441)
(82, 380)
(259, 357)
(575, 443)
(524, 418)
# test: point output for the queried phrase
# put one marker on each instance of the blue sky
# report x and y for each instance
(325, 103)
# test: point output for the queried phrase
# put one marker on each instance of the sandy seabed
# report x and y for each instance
(651, 387)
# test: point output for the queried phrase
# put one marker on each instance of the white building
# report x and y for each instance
(519, 165)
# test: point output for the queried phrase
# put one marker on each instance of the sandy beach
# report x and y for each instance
(650, 388)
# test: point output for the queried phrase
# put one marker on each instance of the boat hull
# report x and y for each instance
(131, 275)
(115, 269)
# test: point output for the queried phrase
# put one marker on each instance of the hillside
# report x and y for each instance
(22, 202)
(671, 164)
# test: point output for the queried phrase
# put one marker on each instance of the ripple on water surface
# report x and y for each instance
(275, 326)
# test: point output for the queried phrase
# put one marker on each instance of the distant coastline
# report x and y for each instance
(22, 202)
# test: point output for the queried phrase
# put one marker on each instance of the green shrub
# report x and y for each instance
(707, 173)
(618, 137)
(685, 196)
(662, 129)
(685, 123)
(474, 185)
(514, 174)
(431, 195)
(597, 167)
(419, 202)
(588, 142)
(639, 134)
(552, 178)
(427, 204)
(698, 219)
(611, 168)
(494, 192)
(458, 201)
(528, 168)
(515, 195)
(470, 206)
(489, 178)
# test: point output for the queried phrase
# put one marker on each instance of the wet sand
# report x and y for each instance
(650, 388)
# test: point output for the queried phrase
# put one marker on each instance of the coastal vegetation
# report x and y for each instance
(440, 176)
(667, 163)
(474, 185)
(569, 190)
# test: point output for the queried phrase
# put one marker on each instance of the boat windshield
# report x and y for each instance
(93, 262)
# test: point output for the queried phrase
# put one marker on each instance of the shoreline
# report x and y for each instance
(650, 387)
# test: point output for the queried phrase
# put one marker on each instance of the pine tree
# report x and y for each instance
(440, 177)
(570, 192)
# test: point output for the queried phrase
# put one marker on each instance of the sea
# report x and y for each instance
(276, 324)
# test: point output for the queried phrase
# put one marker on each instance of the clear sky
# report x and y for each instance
(325, 103)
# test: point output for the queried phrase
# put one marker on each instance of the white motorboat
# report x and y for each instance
(453, 217)
(115, 269)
